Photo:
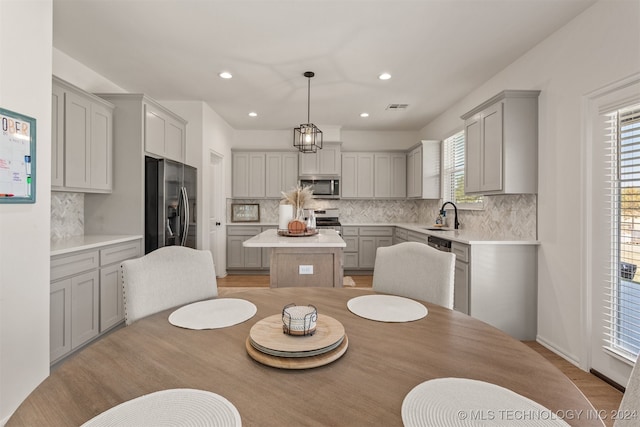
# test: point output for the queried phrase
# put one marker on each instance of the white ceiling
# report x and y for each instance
(436, 50)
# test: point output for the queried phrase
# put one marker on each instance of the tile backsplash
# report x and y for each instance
(67, 214)
(510, 215)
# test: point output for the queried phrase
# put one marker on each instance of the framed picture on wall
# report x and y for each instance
(17, 158)
(245, 212)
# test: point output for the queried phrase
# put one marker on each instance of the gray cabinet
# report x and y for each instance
(326, 161)
(369, 175)
(390, 175)
(357, 177)
(281, 173)
(81, 140)
(111, 298)
(461, 279)
(362, 244)
(239, 257)
(399, 235)
(423, 170)
(165, 133)
(74, 310)
(501, 144)
(86, 295)
(248, 174)
(260, 174)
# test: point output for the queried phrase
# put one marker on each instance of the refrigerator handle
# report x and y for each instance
(185, 203)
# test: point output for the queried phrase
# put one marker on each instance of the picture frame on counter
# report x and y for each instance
(245, 212)
(17, 158)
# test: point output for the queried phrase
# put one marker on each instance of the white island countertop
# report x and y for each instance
(270, 239)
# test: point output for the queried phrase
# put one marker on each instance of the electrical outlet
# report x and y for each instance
(305, 269)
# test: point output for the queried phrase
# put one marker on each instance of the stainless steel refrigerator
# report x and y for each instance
(170, 204)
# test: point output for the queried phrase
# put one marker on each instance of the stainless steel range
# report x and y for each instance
(328, 218)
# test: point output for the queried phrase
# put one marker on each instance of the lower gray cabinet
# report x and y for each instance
(239, 257)
(111, 299)
(362, 244)
(86, 295)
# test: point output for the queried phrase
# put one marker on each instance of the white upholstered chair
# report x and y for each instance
(415, 270)
(165, 278)
(630, 401)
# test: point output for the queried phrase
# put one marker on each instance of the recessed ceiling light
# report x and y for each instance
(364, 114)
(253, 114)
(384, 76)
(225, 75)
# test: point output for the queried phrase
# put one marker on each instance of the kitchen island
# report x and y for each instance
(303, 261)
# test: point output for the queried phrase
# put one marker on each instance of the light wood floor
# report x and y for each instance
(603, 396)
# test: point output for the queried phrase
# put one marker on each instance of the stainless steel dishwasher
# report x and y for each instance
(440, 244)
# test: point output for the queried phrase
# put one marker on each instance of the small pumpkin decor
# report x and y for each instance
(298, 197)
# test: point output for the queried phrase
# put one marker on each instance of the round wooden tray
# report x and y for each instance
(297, 362)
(286, 233)
(268, 334)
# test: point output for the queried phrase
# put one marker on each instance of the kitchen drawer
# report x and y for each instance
(401, 233)
(376, 231)
(349, 231)
(68, 265)
(243, 231)
(461, 251)
(413, 236)
(119, 252)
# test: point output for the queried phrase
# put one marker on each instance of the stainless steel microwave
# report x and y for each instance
(323, 188)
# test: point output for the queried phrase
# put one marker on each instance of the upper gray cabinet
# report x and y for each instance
(260, 174)
(326, 162)
(165, 133)
(423, 170)
(81, 140)
(374, 175)
(501, 144)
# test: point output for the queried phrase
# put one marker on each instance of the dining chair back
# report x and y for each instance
(629, 411)
(165, 278)
(415, 270)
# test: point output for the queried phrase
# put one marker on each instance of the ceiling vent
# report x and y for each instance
(397, 107)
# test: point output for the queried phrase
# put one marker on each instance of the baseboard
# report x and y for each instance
(551, 347)
(607, 380)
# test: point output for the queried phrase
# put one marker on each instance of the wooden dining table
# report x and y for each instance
(364, 387)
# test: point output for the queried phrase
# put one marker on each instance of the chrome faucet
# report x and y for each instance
(456, 224)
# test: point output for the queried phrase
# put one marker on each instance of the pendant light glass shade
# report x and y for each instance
(307, 137)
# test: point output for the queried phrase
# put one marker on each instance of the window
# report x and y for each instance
(453, 174)
(623, 305)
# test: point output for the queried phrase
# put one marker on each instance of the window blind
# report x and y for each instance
(453, 172)
(622, 304)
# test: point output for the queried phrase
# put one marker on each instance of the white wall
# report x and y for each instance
(598, 47)
(25, 87)
(76, 73)
(353, 140)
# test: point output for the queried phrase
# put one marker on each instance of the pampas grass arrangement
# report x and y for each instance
(298, 197)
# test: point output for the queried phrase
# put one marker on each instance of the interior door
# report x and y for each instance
(216, 220)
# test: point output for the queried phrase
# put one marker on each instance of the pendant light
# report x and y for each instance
(308, 138)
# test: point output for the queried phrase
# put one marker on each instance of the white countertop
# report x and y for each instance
(468, 237)
(271, 239)
(80, 243)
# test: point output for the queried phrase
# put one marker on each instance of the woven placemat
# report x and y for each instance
(457, 402)
(213, 314)
(387, 308)
(174, 407)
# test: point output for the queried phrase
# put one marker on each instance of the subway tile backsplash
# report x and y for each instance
(509, 215)
(67, 214)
